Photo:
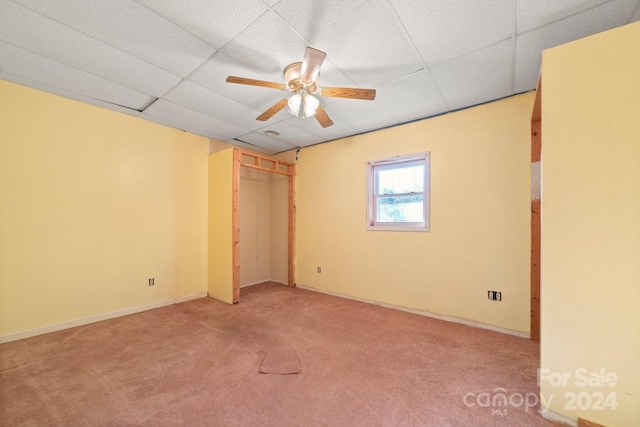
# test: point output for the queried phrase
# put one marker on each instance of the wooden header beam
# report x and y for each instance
(258, 160)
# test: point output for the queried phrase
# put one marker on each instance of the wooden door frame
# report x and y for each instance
(536, 158)
(272, 165)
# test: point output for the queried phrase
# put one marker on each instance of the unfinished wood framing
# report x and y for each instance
(235, 224)
(536, 157)
(292, 225)
(586, 423)
(244, 158)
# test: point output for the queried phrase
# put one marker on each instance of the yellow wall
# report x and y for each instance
(280, 228)
(255, 226)
(220, 282)
(480, 217)
(591, 220)
(92, 204)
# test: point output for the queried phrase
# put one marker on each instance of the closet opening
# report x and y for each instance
(263, 220)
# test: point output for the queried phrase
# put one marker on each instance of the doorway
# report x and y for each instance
(280, 175)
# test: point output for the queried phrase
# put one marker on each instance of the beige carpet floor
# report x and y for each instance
(198, 364)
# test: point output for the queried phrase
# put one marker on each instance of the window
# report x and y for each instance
(398, 193)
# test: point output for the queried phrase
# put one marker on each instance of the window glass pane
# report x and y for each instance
(401, 179)
(400, 209)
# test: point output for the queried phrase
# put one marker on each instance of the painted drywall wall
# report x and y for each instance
(255, 226)
(590, 277)
(280, 228)
(480, 217)
(220, 243)
(93, 203)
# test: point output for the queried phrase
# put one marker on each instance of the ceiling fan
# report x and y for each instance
(302, 78)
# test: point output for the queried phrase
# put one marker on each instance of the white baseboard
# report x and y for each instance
(553, 416)
(423, 313)
(97, 318)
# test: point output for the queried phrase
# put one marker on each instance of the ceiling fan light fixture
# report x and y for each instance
(311, 104)
(305, 102)
(302, 80)
(294, 104)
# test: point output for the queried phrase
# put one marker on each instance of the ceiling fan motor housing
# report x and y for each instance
(292, 77)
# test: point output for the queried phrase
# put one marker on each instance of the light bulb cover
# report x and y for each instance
(294, 104)
(311, 104)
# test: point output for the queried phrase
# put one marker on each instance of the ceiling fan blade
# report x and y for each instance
(347, 92)
(273, 110)
(313, 59)
(323, 117)
(252, 82)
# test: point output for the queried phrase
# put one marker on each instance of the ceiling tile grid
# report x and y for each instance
(193, 121)
(491, 78)
(27, 65)
(131, 27)
(215, 22)
(376, 38)
(200, 99)
(600, 17)
(38, 34)
(443, 30)
(167, 60)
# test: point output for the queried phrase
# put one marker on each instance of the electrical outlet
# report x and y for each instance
(151, 281)
(494, 295)
(319, 270)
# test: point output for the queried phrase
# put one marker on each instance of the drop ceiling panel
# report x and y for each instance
(530, 45)
(262, 140)
(213, 74)
(333, 76)
(205, 101)
(194, 121)
(293, 135)
(131, 27)
(20, 62)
(252, 147)
(375, 37)
(336, 131)
(442, 29)
(45, 37)
(216, 22)
(412, 97)
(535, 14)
(360, 115)
(483, 75)
(267, 46)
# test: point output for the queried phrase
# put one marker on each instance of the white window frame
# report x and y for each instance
(372, 196)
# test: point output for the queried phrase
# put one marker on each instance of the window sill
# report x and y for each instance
(397, 228)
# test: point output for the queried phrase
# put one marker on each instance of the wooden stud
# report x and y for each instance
(536, 205)
(535, 270)
(536, 115)
(292, 225)
(235, 221)
(536, 141)
(586, 423)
